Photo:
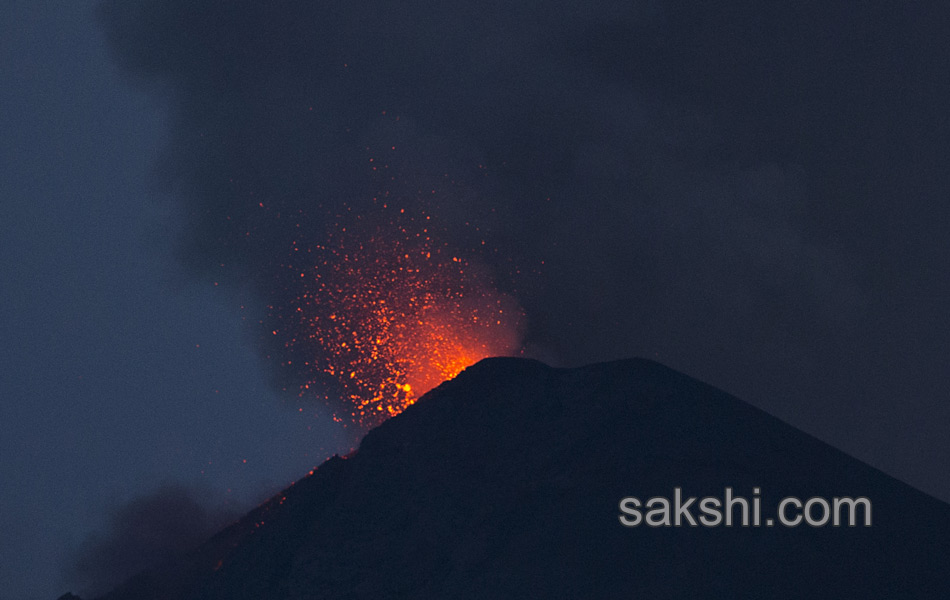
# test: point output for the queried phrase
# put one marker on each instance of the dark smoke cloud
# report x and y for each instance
(142, 534)
(751, 192)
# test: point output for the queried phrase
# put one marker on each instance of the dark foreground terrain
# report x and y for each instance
(505, 483)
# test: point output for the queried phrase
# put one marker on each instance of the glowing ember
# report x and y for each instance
(388, 313)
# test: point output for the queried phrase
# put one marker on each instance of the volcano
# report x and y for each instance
(506, 482)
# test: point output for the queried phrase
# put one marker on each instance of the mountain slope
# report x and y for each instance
(505, 482)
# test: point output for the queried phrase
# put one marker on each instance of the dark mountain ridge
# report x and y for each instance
(505, 482)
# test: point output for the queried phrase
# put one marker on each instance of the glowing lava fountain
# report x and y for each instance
(387, 313)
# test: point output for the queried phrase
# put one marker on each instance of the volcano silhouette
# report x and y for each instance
(505, 483)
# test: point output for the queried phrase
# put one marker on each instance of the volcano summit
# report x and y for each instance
(505, 482)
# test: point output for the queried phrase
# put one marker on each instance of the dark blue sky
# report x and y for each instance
(104, 392)
(753, 193)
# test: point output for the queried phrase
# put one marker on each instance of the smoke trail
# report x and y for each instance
(141, 534)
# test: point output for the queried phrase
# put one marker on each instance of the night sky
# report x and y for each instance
(749, 192)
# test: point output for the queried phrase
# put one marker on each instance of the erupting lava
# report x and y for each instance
(388, 313)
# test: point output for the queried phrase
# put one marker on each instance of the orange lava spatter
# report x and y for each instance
(388, 313)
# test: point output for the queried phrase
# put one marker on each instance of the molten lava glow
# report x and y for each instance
(389, 313)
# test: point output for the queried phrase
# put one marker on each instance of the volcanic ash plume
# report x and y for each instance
(384, 311)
